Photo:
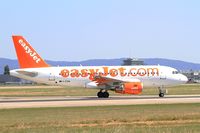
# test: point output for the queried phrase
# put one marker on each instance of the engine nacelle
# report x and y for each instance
(130, 88)
(91, 85)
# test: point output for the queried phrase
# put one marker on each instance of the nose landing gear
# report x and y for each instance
(162, 91)
(161, 94)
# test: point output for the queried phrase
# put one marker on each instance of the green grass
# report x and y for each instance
(57, 91)
(186, 89)
(73, 91)
(175, 118)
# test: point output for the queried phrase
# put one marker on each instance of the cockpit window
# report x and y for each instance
(175, 72)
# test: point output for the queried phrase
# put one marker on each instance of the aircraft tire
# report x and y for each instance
(100, 94)
(161, 95)
(106, 94)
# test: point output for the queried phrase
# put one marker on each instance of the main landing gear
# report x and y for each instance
(162, 91)
(103, 94)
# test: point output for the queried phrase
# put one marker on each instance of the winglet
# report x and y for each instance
(27, 56)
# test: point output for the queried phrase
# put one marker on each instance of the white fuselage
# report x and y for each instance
(83, 76)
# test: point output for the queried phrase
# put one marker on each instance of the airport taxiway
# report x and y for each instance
(67, 101)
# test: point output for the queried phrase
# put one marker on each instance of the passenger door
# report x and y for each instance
(52, 77)
(163, 76)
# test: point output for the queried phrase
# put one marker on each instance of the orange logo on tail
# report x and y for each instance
(29, 51)
(27, 56)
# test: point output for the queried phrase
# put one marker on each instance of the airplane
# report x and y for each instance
(121, 79)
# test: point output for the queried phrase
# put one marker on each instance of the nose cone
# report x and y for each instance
(184, 79)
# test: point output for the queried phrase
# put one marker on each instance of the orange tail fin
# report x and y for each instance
(27, 56)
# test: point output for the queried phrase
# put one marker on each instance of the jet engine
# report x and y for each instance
(130, 88)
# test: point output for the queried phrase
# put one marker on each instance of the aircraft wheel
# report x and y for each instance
(161, 95)
(105, 94)
(100, 94)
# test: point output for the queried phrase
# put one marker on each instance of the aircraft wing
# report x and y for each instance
(101, 80)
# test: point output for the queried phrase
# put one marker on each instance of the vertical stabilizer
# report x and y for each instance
(27, 56)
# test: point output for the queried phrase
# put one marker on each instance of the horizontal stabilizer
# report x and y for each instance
(26, 73)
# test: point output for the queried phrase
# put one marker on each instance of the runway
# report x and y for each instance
(66, 101)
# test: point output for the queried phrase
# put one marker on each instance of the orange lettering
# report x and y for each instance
(133, 72)
(84, 73)
(105, 72)
(64, 73)
(74, 73)
(152, 71)
(122, 71)
(113, 72)
(141, 72)
(93, 72)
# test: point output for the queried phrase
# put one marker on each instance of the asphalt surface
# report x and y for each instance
(66, 101)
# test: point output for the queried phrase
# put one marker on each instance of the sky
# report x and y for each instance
(76, 30)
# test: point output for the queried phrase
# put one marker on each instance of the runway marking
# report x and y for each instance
(35, 102)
